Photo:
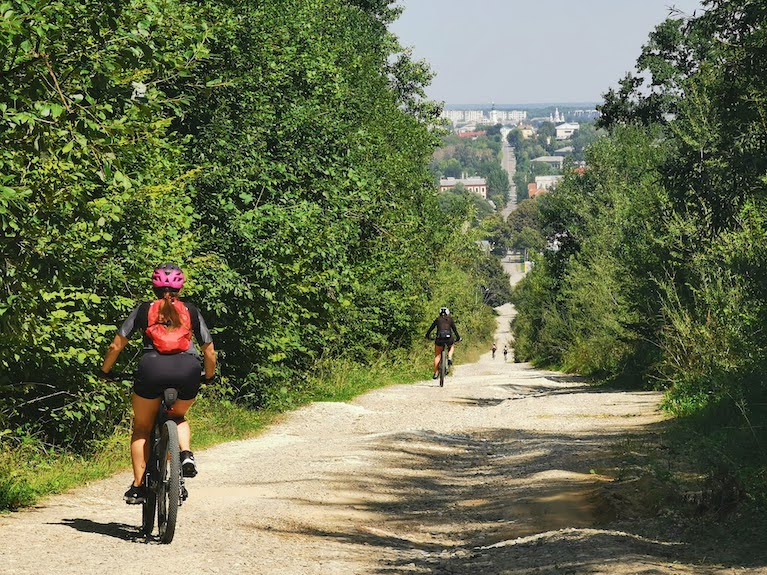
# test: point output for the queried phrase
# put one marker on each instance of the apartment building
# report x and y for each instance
(474, 184)
(508, 117)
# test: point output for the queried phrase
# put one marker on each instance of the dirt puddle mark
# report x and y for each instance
(550, 510)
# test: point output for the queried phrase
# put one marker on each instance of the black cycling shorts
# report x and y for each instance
(444, 342)
(157, 372)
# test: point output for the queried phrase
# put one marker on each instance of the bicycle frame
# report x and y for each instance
(163, 478)
(444, 366)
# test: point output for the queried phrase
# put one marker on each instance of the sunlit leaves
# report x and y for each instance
(80, 167)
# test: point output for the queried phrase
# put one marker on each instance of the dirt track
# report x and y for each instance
(497, 472)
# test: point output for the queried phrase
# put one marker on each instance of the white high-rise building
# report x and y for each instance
(453, 115)
(492, 116)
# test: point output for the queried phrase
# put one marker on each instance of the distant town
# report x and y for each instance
(536, 144)
(466, 119)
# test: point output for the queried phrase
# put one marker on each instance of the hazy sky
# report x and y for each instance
(529, 51)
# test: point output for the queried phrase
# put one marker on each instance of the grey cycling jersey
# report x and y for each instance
(134, 323)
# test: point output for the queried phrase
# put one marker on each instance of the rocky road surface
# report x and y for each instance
(499, 472)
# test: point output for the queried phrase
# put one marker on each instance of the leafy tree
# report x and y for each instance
(491, 130)
(526, 228)
(672, 54)
(696, 231)
(497, 232)
(451, 168)
(89, 168)
(596, 311)
(496, 289)
(309, 218)
(583, 138)
(546, 133)
(716, 301)
(515, 138)
(278, 151)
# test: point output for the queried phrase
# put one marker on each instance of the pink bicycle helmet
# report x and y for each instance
(168, 276)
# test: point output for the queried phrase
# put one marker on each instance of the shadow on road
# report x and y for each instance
(516, 502)
(116, 530)
(560, 385)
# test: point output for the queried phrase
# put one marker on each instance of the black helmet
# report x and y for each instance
(444, 311)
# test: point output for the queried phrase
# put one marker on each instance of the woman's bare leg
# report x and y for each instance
(184, 431)
(437, 353)
(144, 411)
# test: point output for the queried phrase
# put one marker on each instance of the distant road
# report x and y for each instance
(509, 163)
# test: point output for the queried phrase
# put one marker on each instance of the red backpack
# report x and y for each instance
(164, 339)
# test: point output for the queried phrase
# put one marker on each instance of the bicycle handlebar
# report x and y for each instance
(113, 375)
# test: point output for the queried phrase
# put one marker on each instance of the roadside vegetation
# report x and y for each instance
(278, 151)
(654, 272)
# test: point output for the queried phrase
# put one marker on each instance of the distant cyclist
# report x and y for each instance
(445, 326)
(493, 349)
(169, 359)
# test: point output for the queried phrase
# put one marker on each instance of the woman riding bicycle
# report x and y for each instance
(445, 326)
(163, 365)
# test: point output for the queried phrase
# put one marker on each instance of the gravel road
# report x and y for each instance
(497, 472)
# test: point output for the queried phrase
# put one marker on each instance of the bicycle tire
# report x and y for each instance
(149, 507)
(443, 366)
(169, 482)
(147, 513)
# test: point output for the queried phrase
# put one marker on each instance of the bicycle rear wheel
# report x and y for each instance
(442, 366)
(168, 492)
(149, 507)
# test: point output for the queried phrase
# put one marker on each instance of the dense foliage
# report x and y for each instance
(277, 150)
(589, 303)
(92, 192)
(658, 268)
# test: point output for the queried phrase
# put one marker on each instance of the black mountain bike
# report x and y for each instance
(444, 365)
(165, 490)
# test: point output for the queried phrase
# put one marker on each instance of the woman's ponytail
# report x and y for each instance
(168, 311)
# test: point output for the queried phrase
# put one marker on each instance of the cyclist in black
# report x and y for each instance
(160, 368)
(445, 326)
